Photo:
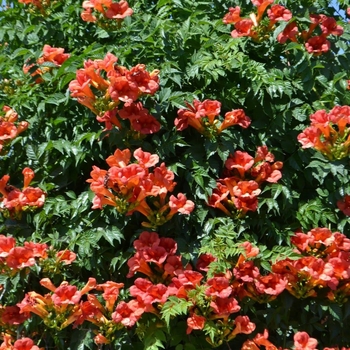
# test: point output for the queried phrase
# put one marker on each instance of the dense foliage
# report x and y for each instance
(186, 174)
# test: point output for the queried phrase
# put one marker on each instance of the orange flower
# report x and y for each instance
(146, 239)
(110, 293)
(279, 13)
(11, 315)
(241, 161)
(317, 45)
(138, 264)
(8, 129)
(261, 5)
(219, 287)
(261, 339)
(233, 16)
(101, 339)
(54, 55)
(149, 293)
(180, 205)
(66, 256)
(6, 244)
(290, 32)
(66, 295)
(203, 262)
(98, 5)
(20, 257)
(224, 307)
(24, 344)
(344, 205)
(184, 282)
(187, 117)
(87, 15)
(128, 313)
(147, 83)
(16, 201)
(246, 195)
(119, 10)
(244, 27)
(120, 158)
(91, 311)
(195, 322)
(10, 116)
(329, 26)
(243, 325)
(36, 3)
(39, 250)
(90, 284)
(209, 109)
(303, 341)
(107, 9)
(235, 117)
(140, 120)
(50, 54)
(35, 303)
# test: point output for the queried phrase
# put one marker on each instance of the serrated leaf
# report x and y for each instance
(174, 306)
(3, 279)
(113, 234)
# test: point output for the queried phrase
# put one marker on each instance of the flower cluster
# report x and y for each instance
(253, 26)
(105, 10)
(202, 117)
(302, 341)
(54, 55)
(209, 300)
(41, 5)
(131, 187)
(9, 128)
(14, 258)
(329, 133)
(20, 344)
(322, 268)
(15, 201)
(257, 28)
(314, 44)
(213, 300)
(64, 306)
(59, 309)
(167, 282)
(102, 85)
(244, 174)
(166, 276)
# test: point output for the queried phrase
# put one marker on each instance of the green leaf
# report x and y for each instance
(174, 306)
(112, 234)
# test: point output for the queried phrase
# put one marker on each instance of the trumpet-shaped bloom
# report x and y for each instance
(195, 322)
(24, 344)
(241, 161)
(317, 45)
(66, 294)
(6, 244)
(219, 287)
(303, 341)
(244, 27)
(119, 10)
(279, 13)
(235, 117)
(128, 313)
(12, 316)
(20, 257)
(233, 15)
(290, 32)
